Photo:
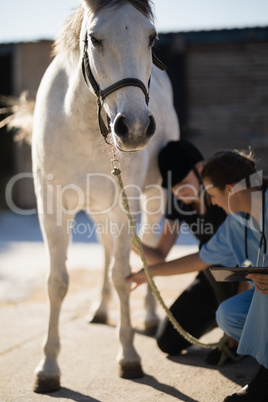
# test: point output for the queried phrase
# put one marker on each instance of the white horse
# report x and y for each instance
(113, 42)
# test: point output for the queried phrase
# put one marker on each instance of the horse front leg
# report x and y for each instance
(149, 233)
(99, 311)
(47, 373)
(128, 360)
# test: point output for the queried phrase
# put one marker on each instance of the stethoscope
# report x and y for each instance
(262, 243)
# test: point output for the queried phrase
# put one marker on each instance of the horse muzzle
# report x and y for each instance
(132, 134)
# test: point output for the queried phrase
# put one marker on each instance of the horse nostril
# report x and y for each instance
(120, 127)
(151, 128)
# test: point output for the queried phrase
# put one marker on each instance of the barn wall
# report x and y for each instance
(31, 59)
(226, 90)
(6, 140)
(29, 64)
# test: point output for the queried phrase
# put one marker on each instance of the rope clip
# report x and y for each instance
(116, 168)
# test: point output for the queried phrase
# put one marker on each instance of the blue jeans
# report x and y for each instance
(232, 313)
(245, 318)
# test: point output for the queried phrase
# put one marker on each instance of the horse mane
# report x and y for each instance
(68, 37)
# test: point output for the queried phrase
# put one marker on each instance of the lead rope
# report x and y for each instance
(136, 242)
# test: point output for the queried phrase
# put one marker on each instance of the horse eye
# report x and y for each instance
(95, 41)
(152, 40)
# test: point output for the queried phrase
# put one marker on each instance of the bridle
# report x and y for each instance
(102, 94)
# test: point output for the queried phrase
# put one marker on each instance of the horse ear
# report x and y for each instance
(158, 63)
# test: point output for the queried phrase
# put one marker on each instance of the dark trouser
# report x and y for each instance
(195, 311)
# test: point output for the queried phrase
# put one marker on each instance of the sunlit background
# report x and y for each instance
(31, 20)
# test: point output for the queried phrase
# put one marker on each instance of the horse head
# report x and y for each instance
(116, 42)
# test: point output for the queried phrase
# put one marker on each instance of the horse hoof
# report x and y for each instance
(45, 384)
(98, 319)
(150, 328)
(130, 370)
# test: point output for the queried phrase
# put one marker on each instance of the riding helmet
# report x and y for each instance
(176, 160)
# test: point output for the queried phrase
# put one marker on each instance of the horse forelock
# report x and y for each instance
(144, 6)
(68, 37)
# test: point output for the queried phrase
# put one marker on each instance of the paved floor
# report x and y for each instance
(87, 358)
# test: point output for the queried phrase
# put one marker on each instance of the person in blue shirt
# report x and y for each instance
(234, 184)
(181, 165)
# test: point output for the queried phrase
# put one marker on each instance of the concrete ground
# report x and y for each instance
(88, 352)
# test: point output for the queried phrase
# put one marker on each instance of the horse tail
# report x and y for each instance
(20, 116)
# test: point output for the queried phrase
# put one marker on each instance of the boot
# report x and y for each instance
(255, 391)
(215, 356)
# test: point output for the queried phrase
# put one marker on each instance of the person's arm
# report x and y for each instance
(167, 239)
(183, 265)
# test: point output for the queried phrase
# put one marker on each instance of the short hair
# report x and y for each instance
(229, 167)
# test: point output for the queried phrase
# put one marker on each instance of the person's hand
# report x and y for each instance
(137, 278)
(260, 282)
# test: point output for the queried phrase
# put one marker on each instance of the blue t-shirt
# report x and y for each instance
(227, 246)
